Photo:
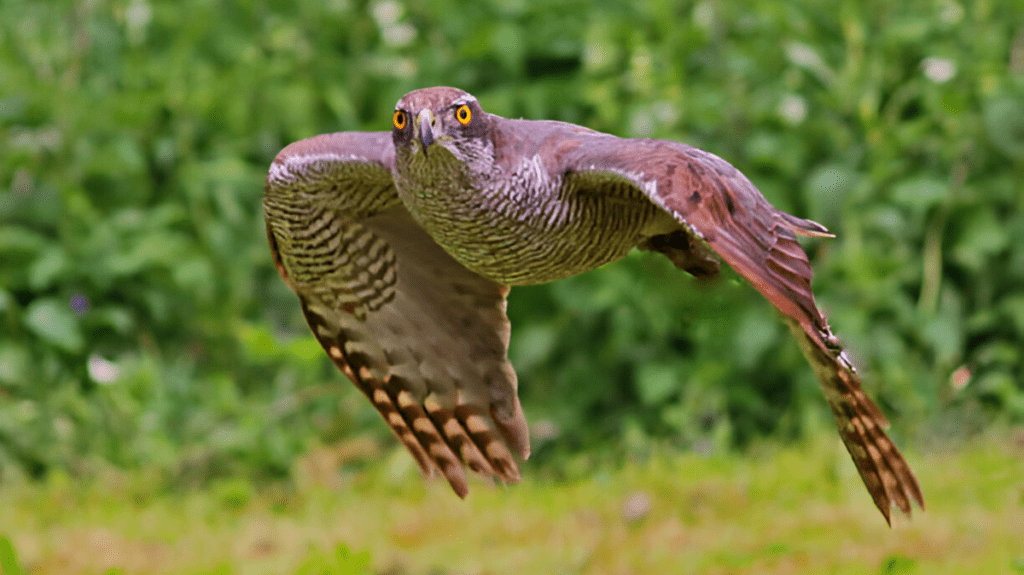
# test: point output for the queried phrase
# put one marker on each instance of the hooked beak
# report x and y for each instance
(425, 120)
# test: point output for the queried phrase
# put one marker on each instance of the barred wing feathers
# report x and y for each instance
(421, 336)
(719, 207)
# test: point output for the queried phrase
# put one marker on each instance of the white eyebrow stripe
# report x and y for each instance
(467, 99)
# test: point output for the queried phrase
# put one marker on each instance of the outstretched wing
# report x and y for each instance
(423, 337)
(718, 207)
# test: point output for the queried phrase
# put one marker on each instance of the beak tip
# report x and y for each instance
(426, 128)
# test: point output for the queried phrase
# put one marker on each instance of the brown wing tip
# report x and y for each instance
(458, 437)
(446, 439)
(805, 227)
(481, 428)
(437, 437)
(886, 475)
(514, 429)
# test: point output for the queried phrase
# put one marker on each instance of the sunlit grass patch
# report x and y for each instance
(773, 510)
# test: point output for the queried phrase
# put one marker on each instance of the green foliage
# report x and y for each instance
(143, 323)
(898, 565)
(9, 558)
(343, 562)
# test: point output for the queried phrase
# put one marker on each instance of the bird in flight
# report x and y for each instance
(402, 245)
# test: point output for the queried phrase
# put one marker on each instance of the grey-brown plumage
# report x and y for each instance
(401, 246)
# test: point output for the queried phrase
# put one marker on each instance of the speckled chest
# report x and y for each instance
(517, 228)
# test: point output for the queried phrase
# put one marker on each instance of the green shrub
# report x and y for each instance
(143, 322)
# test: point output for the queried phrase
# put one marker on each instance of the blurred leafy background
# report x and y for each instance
(143, 325)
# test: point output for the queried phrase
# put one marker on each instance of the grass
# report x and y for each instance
(774, 510)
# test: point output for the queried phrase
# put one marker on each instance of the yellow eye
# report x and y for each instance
(463, 115)
(399, 120)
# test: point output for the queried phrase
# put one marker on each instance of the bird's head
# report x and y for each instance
(445, 117)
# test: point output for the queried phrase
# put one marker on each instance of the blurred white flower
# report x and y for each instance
(641, 125)
(395, 33)
(137, 18)
(806, 57)
(399, 34)
(704, 15)
(101, 370)
(387, 13)
(939, 70)
(666, 112)
(597, 55)
(793, 108)
(636, 506)
(952, 12)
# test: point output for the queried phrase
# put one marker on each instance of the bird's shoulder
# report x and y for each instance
(333, 151)
(565, 147)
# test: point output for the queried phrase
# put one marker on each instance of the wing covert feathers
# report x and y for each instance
(422, 337)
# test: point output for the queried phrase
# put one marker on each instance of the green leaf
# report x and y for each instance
(116, 317)
(1013, 307)
(1004, 121)
(657, 381)
(344, 562)
(898, 565)
(350, 563)
(998, 385)
(47, 268)
(982, 237)
(54, 322)
(18, 240)
(258, 342)
(9, 558)
(531, 345)
(826, 189)
(920, 193)
(14, 364)
(945, 334)
(196, 275)
(305, 349)
(757, 332)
